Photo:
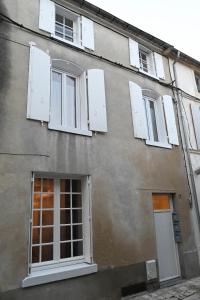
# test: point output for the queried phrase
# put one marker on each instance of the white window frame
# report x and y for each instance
(197, 75)
(55, 270)
(76, 25)
(160, 123)
(77, 129)
(151, 70)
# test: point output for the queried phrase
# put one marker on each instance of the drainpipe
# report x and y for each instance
(182, 125)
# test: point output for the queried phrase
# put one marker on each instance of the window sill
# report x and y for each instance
(149, 74)
(46, 276)
(71, 130)
(158, 144)
(67, 42)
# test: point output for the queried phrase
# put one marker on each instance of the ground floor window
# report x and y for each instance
(60, 230)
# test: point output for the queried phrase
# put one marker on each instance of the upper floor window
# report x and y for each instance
(153, 117)
(66, 96)
(65, 25)
(197, 79)
(146, 60)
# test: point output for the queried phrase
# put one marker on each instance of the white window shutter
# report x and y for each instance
(97, 101)
(195, 108)
(159, 65)
(170, 120)
(87, 33)
(134, 53)
(39, 85)
(138, 111)
(47, 16)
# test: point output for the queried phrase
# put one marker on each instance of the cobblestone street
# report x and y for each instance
(189, 290)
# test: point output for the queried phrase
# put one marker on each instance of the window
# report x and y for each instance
(153, 117)
(63, 94)
(65, 25)
(146, 61)
(197, 79)
(57, 221)
(60, 229)
(65, 101)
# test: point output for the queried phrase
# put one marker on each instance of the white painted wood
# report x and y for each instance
(138, 111)
(134, 53)
(195, 109)
(39, 85)
(167, 255)
(170, 120)
(86, 216)
(47, 16)
(97, 101)
(83, 101)
(87, 33)
(159, 65)
(57, 274)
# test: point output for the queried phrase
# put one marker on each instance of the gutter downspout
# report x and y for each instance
(190, 174)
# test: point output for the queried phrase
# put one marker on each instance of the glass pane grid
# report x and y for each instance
(64, 28)
(70, 241)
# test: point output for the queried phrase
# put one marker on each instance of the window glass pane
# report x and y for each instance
(65, 185)
(76, 216)
(47, 217)
(56, 99)
(36, 201)
(35, 254)
(65, 217)
(161, 202)
(69, 23)
(70, 105)
(65, 201)
(48, 185)
(36, 235)
(77, 248)
(47, 235)
(76, 186)
(65, 233)
(65, 250)
(36, 218)
(59, 18)
(153, 121)
(77, 232)
(47, 201)
(76, 201)
(47, 252)
(37, 185)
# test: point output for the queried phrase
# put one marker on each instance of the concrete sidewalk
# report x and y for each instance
(188, 290)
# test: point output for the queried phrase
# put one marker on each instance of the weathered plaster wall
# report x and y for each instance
(124, 170)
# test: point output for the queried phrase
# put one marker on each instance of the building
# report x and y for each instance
(95, 201)
(185, 74)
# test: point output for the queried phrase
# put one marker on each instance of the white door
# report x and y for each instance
(167, 253)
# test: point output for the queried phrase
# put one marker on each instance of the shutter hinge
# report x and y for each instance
(88, 121)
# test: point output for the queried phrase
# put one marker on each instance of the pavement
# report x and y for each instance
(188, 290)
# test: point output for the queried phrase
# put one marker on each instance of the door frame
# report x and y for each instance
(173, 237)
